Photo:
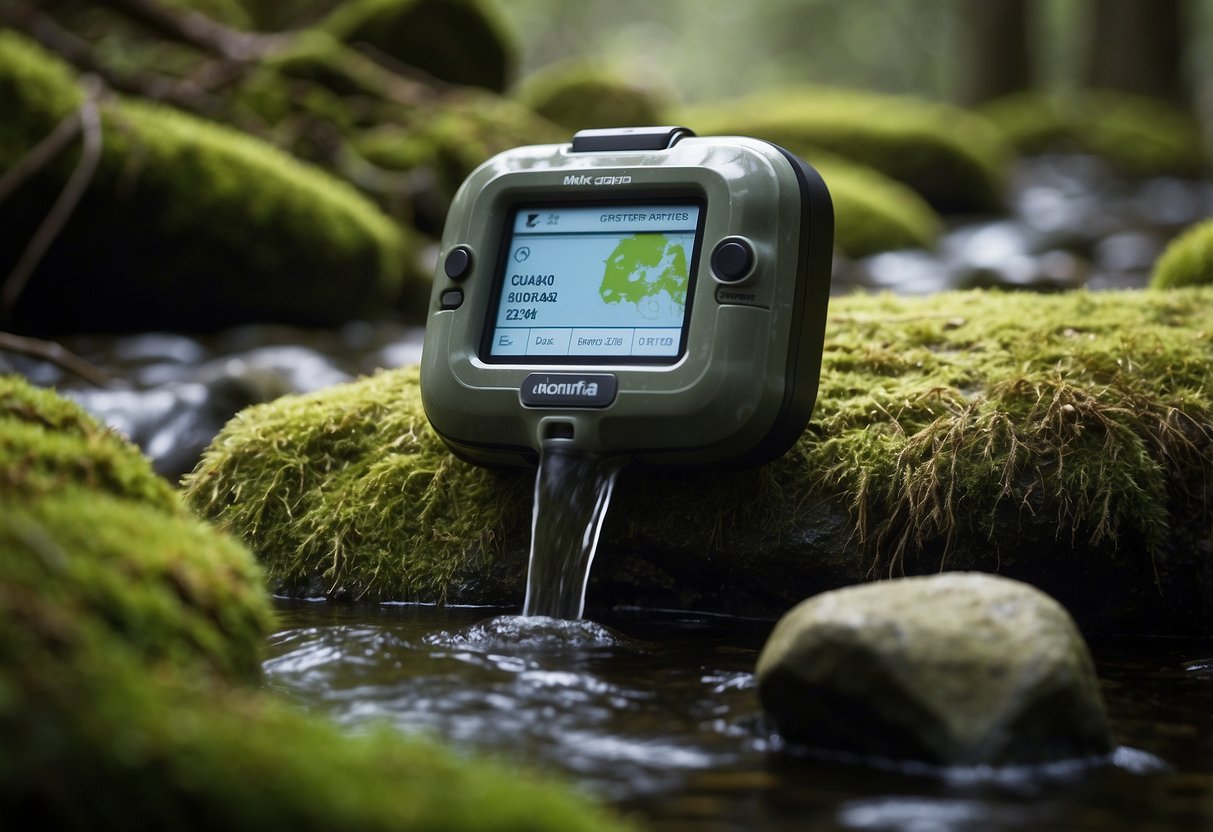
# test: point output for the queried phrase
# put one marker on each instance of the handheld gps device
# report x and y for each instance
(639, 292)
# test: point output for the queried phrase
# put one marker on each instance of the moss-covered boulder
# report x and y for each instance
(130, 644)
(873, 213)
(436, 147)
(1066, 441)
(580, 96)
(185, 224)
(1187, 260)
(954, 159)
(48, 443)
(111, 542)
(1137, 135)
(459, 41)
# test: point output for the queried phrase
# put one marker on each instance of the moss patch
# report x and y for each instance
(1140, 136)
(460, 41)
(873, 213)
(130, 640)
(48, 443)
(581, 96)
(1187, 261)
(1064, 440)
(954, 159)
(186, 224)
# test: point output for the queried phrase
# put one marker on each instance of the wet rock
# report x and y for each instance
(907, 272)
(977, 431)
(958, 668)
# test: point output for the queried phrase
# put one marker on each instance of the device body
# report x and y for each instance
(641, 292)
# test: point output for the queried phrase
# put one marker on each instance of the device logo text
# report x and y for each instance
(588, 179)
(568, 390)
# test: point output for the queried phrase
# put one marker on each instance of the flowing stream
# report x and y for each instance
(572, 494)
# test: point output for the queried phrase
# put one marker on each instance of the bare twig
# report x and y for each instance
(183, 93)
(56, 354)
(40, 155)
(198, 30)
(69, 197)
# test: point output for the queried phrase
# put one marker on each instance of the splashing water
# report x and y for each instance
(572, 493)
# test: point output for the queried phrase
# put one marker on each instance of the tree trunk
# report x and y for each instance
(999, 62)
(1137, 47)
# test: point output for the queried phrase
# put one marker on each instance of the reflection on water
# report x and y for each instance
(656, 713)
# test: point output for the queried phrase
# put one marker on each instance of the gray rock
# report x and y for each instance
(955, 668)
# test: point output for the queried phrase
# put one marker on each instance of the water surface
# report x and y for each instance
(655, 712)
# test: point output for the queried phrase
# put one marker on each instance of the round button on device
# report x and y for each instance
(732, 259)
(458, 263)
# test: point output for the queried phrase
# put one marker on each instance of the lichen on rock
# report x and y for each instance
(953, 669)
(1063, 440)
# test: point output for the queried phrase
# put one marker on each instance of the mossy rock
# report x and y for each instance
(873, 213)
(1187, 260)
(1139, 136)
(581, 96)
(440, 145)
(130, 647)
(185, 224)
(458, 41)
(48, 443)
(954, 159)
(1066, 441)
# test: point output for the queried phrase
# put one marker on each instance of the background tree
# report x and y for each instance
(1137, 46)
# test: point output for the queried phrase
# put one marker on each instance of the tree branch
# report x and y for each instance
(69, 197)
(198, 30)
(56, 354)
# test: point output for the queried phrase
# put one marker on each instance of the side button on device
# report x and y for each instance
(732, 259)
(458, 263)
(450, 299)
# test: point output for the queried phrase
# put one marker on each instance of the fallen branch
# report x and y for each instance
(56, 354)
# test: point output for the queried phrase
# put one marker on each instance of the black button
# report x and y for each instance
(732, 259)
(458, 263)
(451, 299)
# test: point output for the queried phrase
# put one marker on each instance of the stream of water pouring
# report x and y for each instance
(572, 493)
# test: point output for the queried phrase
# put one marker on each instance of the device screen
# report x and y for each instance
(595, 283)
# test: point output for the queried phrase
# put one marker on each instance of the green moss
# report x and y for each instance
(130, 641)
(48, 443)
(1140, 136)
(363, 498)
(1187, 260)
(229, 12)
(441, 143)
(966, 428)
(580, 96)
(171, 588)
(873, 213)
(460, 41)
(954, 159)
(189, 224)
(104, 744)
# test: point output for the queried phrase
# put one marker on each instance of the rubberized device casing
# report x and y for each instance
(743, 388)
